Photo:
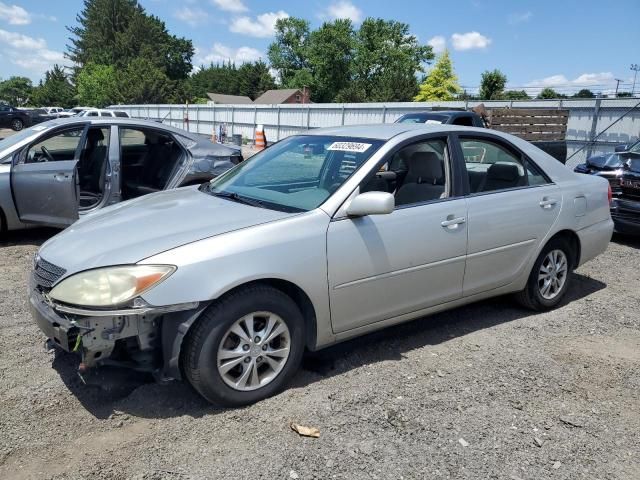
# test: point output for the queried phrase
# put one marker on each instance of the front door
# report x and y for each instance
(44, 179)
(383, 266)
(512, 206)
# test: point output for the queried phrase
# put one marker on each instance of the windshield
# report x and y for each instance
(605, 161)
(423, 118)
(297, 174)
(635, 148)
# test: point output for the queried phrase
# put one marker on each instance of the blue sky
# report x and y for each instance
(564, 44)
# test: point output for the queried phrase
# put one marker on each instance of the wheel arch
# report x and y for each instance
(176, 327)
(573, 240)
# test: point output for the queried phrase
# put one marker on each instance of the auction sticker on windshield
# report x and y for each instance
(356, 147)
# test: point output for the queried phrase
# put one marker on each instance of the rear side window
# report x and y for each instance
(492, 166)
(121, 114)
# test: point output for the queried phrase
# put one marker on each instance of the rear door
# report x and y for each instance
(44, 178)
(5, 115)
(512, 206)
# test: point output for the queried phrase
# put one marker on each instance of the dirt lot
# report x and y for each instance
(485, 391)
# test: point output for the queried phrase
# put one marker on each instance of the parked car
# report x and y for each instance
(96, 112)
(55, 111)
(319, 238)
(72, 112)
(54, 172)
(40, 115)
(14, 118)
(625, 208)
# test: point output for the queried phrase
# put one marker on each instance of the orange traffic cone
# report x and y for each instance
(261, 139)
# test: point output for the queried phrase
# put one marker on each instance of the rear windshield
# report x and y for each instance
(423, 118)
(605, 161)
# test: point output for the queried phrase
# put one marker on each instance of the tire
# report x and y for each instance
(213, 336)
(534, 296)
(17, 124)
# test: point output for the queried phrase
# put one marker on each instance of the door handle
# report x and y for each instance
(452, 223)
(547, 203)
(60, 176)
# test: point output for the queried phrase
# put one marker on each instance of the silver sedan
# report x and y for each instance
(320, 238)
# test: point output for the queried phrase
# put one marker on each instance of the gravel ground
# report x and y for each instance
(485, 391)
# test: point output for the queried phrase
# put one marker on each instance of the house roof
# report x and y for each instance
(276, 96)
(231, 99)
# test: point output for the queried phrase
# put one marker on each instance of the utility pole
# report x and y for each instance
(635, 67)
(617, 85)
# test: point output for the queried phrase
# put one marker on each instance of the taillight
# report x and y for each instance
(609, 193)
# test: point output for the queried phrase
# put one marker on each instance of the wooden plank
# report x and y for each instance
(551, 137)
(527, 121)
(522, 129)
(529, 112)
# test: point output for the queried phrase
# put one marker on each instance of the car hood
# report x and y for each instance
(131, 231)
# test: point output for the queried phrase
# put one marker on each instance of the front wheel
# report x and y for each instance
(245, 347)
(549, 279)
(17, 124)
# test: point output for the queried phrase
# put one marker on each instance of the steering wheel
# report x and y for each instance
(47, 154)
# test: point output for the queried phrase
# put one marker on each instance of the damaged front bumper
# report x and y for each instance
(139, 338)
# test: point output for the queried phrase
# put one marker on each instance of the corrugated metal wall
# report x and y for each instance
(281, 121)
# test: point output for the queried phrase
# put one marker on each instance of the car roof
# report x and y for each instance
(387, 131)
(134, 122)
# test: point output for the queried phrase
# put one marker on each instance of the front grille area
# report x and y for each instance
(46, 274)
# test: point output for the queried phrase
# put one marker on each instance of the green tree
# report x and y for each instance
(386, 60)
(143, 82)
(288, 52)
(114, 32)
(216, 79)
(624, 94)
(549, 94)
(515, 95)
(584, 93)
(16, 91)
(254, 79)
(492, 84)
(55, 90)
(440, 83)
(98, 86)
(330, 54)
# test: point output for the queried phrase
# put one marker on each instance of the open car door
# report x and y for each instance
(44, 178)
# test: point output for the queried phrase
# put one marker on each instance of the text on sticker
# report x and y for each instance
(349, 147)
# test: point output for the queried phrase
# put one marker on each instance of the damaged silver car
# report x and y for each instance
(319, 238)
(53, 173)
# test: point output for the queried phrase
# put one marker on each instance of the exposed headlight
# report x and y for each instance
(111, 286)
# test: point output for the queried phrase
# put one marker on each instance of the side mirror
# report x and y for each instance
(621, 148)
(371, 203)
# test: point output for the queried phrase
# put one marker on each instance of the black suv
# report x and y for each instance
(11, 117)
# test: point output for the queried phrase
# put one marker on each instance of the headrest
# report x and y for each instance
(425, 167)
(95, 135)
(503, 171)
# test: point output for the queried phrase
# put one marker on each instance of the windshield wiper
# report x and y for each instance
(239, 198)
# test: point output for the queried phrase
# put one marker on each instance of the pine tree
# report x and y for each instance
(440, 83)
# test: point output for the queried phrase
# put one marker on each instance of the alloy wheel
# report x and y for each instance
(253, 351)
(16, 125)
(553, 274)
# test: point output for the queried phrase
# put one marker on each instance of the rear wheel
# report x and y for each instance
(245, 347)
(17, 124)
(549, 278)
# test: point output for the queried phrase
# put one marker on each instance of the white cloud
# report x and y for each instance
(29, 53)
(516, 18)
(262, 26)
(438, 43)
(192, 16)
(343, 9)
(602, 79)
(235, 6)
(222, 53)
(469, 41)
(14, 15)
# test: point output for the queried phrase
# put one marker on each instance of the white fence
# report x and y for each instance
(586, 120)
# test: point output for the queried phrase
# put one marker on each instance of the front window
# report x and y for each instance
(297, 174)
